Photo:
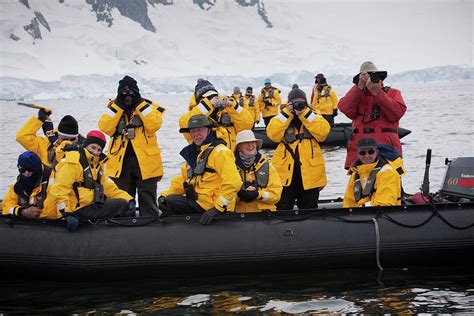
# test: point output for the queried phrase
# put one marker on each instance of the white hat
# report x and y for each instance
(246, 136)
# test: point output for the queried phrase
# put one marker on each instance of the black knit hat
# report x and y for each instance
(68, 127)
(204, 89)
(130, 82)
(296, 94)
(249, 89)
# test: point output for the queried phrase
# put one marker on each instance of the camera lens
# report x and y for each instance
(375, 77)
(299, 106)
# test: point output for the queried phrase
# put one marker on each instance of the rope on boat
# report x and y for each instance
(390, 219)
(377, 243)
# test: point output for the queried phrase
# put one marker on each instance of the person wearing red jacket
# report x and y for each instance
(375, 110)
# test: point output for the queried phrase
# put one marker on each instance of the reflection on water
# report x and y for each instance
(347, 291)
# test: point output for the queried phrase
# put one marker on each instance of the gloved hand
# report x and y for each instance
(247, 195)
(72, 222)
(209, 216)
(132, 208)
(43, 115)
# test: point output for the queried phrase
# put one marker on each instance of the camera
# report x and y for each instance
(375, 76)
(221, 102)
(299, 105)
(130, 133)
(99, 197)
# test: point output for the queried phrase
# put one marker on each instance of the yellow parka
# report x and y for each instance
(11, 201)
(268, 196)
(145, 143)
(325, 102)
(192, 102)
(313, 171)
(217, 188)
(240, 118)
(250, 103)
(69, 172)
(27, 137)
(272, 95)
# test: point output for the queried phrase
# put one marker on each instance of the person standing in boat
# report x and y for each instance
(298, 157)
(49, 149)
(324, 99)
(81, 189)
(134, 158)
(269, 101)
(374, 181)
(28, 196)
(250, 103)
(227, 115)
(209, 180)
(261, 188)
(375, 110)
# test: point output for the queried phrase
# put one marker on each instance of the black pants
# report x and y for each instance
(329, 118)
(178, 204)
(130, 180)
(267, 119)
(111, 208)
(295, 191)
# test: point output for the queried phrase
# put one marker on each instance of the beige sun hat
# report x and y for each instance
(246, 136)
(369, 67)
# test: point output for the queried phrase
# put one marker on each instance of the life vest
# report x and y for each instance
(262, 175)
(319, 94)
(270, 94)
(201, 162)
(37, 200)
(291, 137)
(251, 101)
(121, 128)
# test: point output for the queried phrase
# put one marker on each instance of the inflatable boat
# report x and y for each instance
(338, 136)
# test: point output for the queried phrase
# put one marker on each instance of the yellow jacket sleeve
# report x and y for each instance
(10, 203)
(315, 124)
(272, 193)
(334, 99)
(278, 125)
(349, 200)
(112, 191)
(151, 115)
(223, 162)
(387, 188)
(108, 122)
(27, 137)
(240, 117)
(176, 186)
(61, 190)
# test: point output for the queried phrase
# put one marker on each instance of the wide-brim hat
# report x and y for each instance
(246, 136)
(196, 121)
(369, 67)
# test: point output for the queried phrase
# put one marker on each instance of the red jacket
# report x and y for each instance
(361, 106)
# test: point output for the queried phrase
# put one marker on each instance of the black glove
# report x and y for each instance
(163, 206)
(132, 208)
(334, 112)
(209, 216)
(43, 115)
(72, 221)
(247, 195)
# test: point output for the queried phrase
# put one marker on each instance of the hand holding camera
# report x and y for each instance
(374, 87)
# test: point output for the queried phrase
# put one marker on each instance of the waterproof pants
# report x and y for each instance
(178, 204)
(109, 209)
(295, 191)
(130, 180)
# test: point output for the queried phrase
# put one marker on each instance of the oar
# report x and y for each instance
(48, 127)
(35, 106)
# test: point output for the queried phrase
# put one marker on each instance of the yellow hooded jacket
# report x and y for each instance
(145, 143)
(267, 196)
(327, 102)
(387, 185)
(70, 171)
(11, 201)
(241, 119)
(313, 170)
(250, 103)
(213, 189)
(275, 101)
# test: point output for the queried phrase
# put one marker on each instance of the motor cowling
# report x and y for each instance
(459, 179)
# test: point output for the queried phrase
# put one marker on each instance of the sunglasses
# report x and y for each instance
(23, 170)
(127, 92)
(366, 152)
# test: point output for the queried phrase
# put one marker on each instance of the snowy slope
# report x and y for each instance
(229, 39)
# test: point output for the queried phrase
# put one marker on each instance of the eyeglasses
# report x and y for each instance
(23, 170)
(127, 92)
(365, 152)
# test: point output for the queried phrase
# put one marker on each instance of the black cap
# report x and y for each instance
(129, 82)
(366, 143)
(68, 127)
(249, 89)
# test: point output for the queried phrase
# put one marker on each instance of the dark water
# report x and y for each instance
(349, 291)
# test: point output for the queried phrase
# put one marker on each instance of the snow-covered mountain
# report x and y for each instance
(71, 48)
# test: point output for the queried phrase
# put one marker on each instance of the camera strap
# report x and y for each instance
(293, 155)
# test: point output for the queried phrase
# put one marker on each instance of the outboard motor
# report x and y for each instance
(459, 179)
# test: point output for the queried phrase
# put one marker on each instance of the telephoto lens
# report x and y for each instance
(299, 106)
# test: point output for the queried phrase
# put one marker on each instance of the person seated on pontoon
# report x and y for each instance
(375, 180)
(262, 187)
(209, 180)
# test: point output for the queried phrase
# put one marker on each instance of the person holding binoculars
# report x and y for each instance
(134, 155)
(298, 157)
(375, 110)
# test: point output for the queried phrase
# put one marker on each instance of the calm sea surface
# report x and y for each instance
(440, 117)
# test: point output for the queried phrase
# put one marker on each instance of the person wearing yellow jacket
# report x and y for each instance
(49, 149)
(250, 103)
(261, 187)
(298, 157)
(209, 180)
(81, 189)
(324, 99)
(28, 196)
(374, 181)
(134, 158)
(269, 101)
(225, 113)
